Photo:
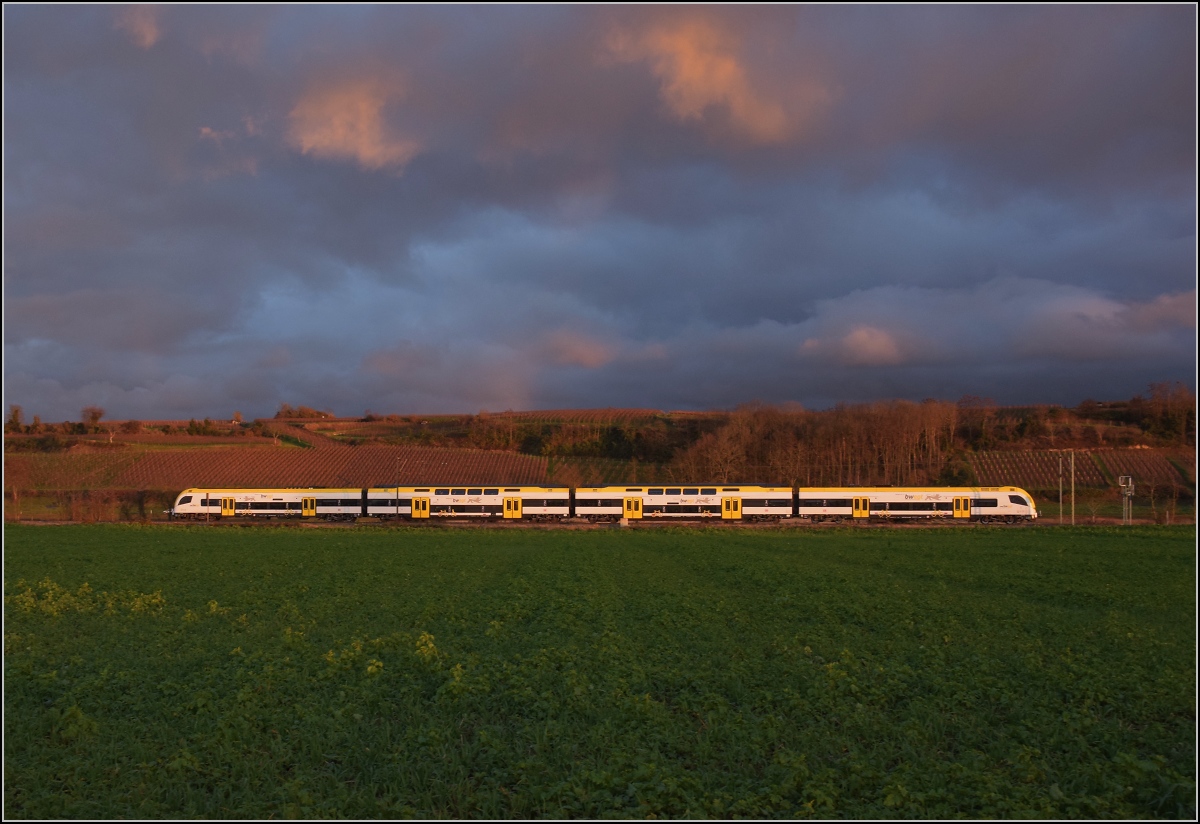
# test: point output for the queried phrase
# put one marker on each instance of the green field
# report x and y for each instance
(283, 672)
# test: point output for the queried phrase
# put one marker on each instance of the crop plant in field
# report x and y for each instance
(156, 672)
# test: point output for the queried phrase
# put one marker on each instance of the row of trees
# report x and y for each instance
(89, 423)
(896, 438)
(900, 442)
(882, 443)
(59, 436)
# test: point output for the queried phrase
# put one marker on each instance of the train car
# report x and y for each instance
(508, 502)
(989, 504)
(763, 503)
(206, 504)
(728, 503)
(1007, 504)
(411, 502)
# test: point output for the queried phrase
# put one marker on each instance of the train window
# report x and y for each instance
(241, 505)
(441, 492)
(633, 489)
(491, 492)
(985, 502)
(458, 492)
(510, 489)
(711, 490)
(653, 491)
(426, 489)
(944, 506)
(186, 499)
(692, 491)
(731, 489)
(672, 491)
(474, 491)
(1018, 500)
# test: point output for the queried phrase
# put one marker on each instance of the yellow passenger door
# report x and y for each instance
(962, 507)
(633, 508)
(731, 509)
(862, 507)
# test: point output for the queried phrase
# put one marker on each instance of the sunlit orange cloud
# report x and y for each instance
(140, 23)
(566, 348)
(861, 346)
(698, 67)
(497, 378)
(347, 122)
(215, 135)
(1178, 310)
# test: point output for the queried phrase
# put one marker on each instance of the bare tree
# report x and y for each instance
(1152, 494)
(727, 454)
(1093, 499)
(1174, 500)
(91, 416)
(15, 422)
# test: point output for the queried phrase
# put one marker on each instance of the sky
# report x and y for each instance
(429, 209)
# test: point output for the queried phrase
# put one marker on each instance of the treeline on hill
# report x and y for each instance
(58, 437)
(896, 432)
(900, 442)
(895, 442)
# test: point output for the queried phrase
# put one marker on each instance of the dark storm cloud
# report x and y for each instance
(454, 208)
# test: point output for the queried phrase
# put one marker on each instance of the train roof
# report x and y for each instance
(863, 490)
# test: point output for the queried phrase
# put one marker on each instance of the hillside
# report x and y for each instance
(893, 443)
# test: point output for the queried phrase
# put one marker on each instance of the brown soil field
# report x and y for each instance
(275, 467)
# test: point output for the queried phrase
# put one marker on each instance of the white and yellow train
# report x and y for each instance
(727, 502)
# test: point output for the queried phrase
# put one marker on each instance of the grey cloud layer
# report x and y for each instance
(462, 208)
